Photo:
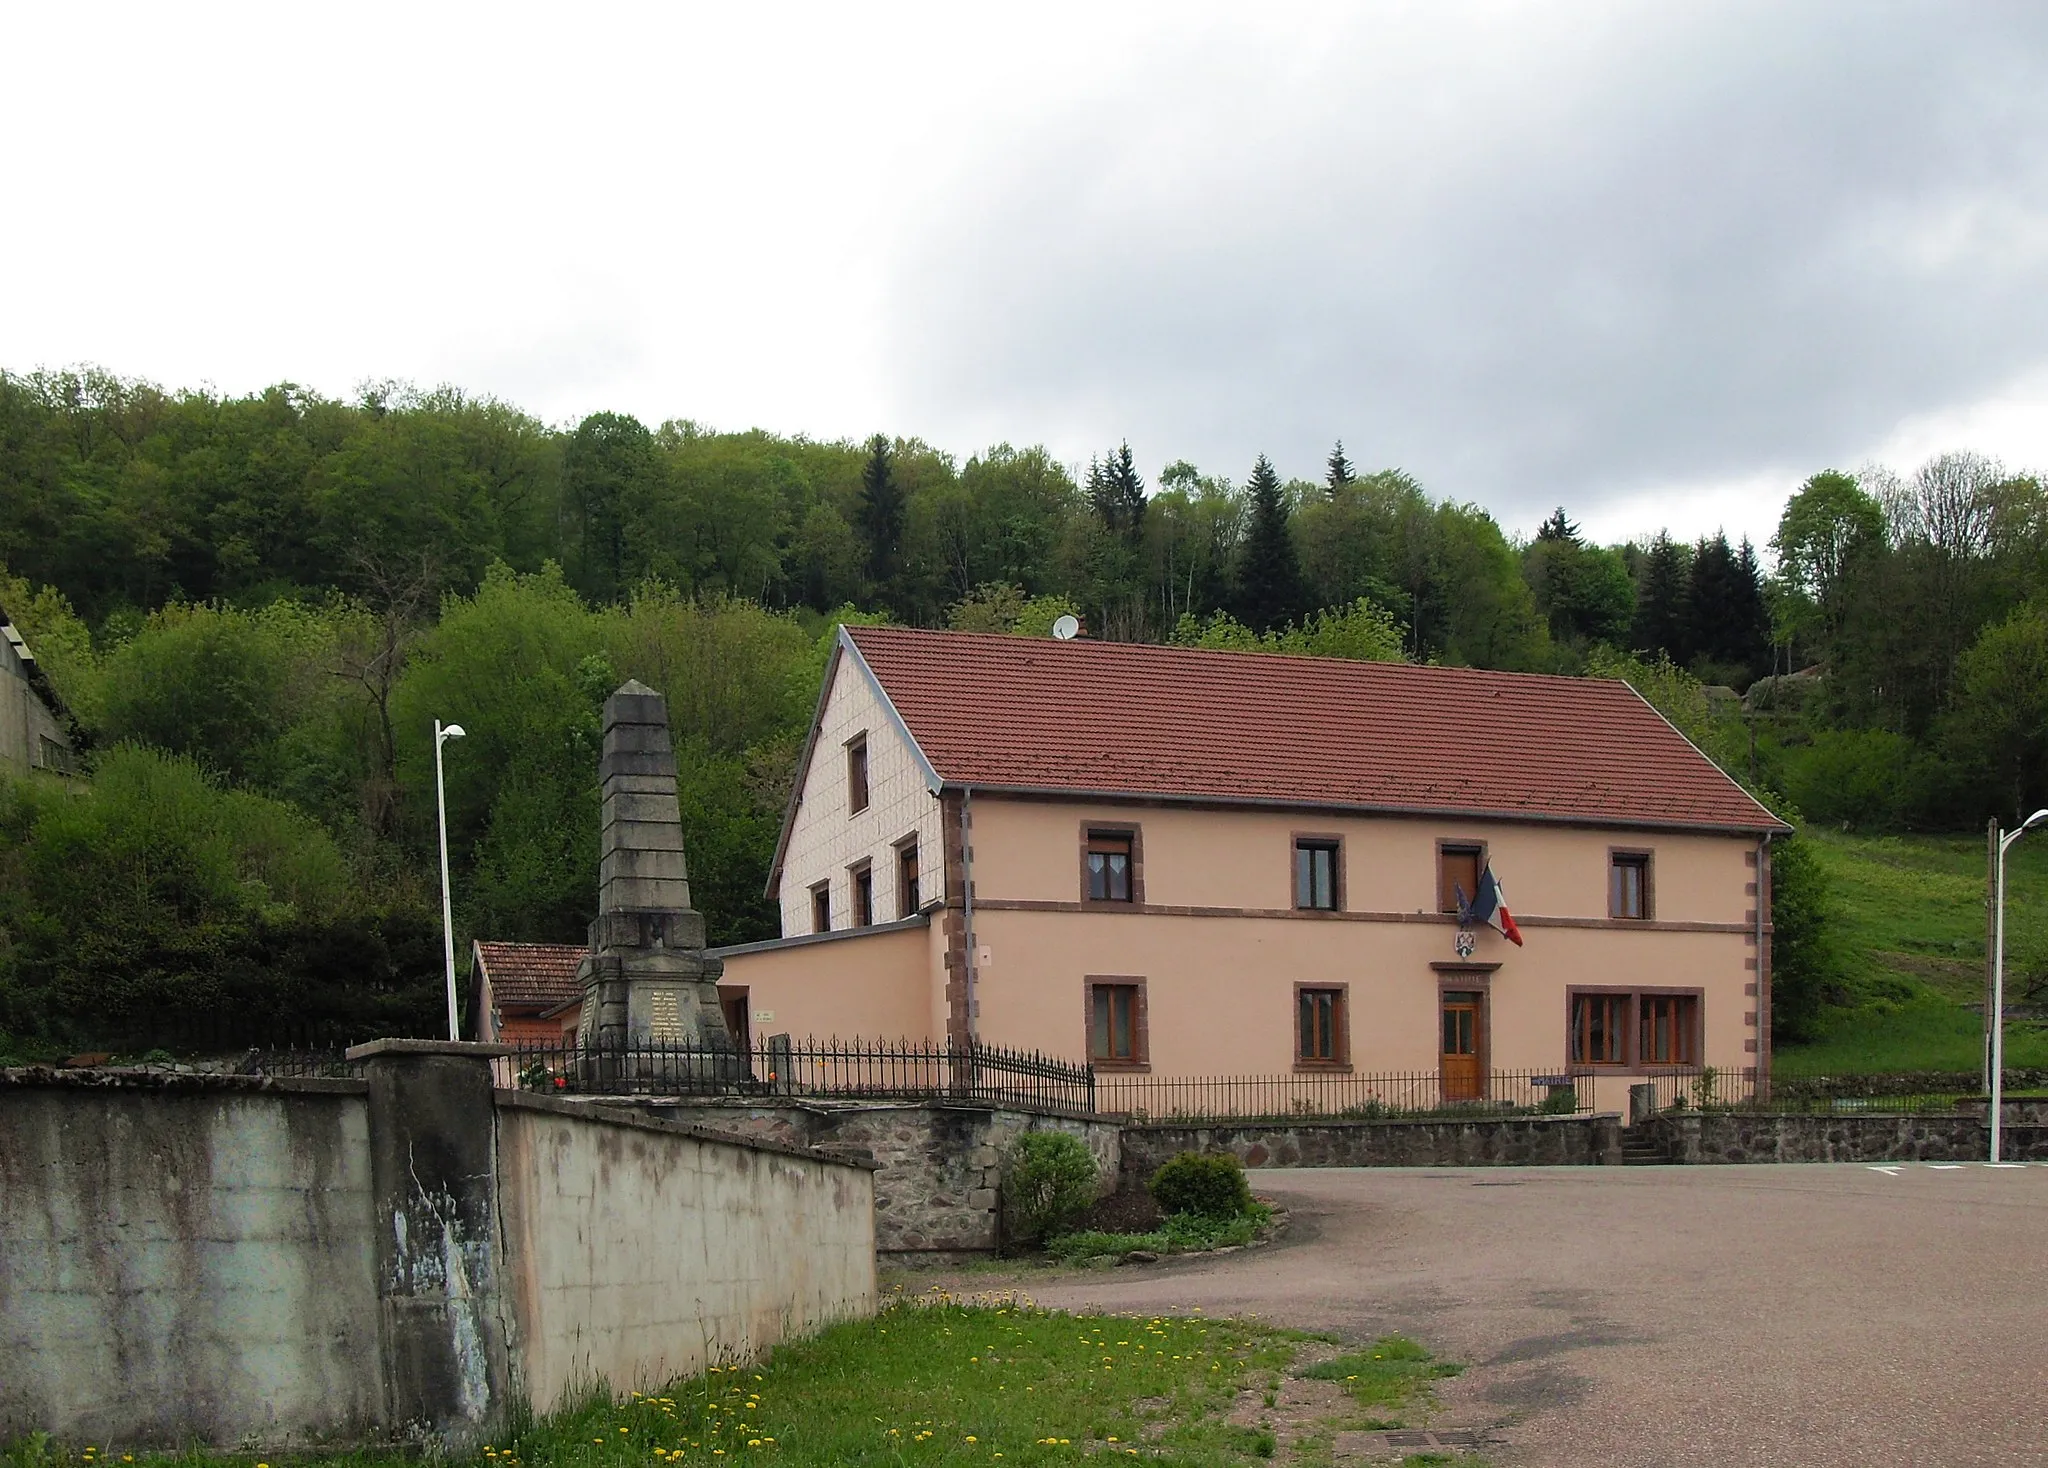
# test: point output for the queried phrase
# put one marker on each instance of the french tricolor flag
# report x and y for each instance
(1490, 906)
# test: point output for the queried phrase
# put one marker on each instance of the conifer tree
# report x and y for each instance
(1557, 527)
(1117, 493)
(1269, 588)
(1726, 620)
(880, 518)
(1339, 473)
(1660, 622)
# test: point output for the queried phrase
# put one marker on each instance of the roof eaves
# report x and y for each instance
(1435, 812)
(931, 776)
(1776, 825)
(842, 645)
(772, 889)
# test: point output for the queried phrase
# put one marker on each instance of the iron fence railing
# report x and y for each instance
(856, 1070)
(1337, 1096)
(1708, 1089)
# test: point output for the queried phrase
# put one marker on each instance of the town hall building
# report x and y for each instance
(1181, 862)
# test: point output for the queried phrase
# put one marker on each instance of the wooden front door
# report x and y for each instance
(1464, 1043)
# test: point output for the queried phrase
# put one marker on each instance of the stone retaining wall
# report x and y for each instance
(1507, 1141)
(938, 1165)
(1727, 1137)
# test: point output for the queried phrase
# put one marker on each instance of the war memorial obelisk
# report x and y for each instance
(650, 995)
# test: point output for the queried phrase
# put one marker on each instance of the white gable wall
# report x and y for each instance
(826, 840)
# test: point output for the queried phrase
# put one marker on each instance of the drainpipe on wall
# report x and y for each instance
(967, 907)
(1763, 969)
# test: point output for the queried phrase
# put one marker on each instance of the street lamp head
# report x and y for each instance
(454, 731)
(2039, 817)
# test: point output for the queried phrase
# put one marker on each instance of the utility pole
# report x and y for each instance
(1990, 938)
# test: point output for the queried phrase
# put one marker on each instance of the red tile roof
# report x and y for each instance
(537, 975)
(1138, 720)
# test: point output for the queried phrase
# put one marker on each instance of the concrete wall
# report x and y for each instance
(1500, 1142)
(938, 1165)
(636, 1249)
(827, 837)
(25, 720)
(237, 1262)
(185, 1263)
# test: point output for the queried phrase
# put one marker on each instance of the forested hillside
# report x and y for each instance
(256, 607)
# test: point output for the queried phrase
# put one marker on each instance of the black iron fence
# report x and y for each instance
(1708, 1089)
(859, 1070)
(1338, 1096)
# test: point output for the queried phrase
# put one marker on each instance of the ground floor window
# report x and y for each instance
(1319, 1027)
(1628, 1030)
(1116, 1022)
(1670, 1029)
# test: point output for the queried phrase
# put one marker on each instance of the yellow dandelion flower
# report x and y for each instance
(973, 1439)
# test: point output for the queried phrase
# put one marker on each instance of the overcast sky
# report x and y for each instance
(1656, 262)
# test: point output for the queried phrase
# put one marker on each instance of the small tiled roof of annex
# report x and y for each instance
(1129, 719)
(536, 975)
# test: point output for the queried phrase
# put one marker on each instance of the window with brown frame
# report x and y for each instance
(1315, 875)
(908, 899)
(821, 908)
(1628, 885)
(862, 880)
(1108, 865)
(1600, 1029)
(1320, 1027)
(1457, 871)
(1115, 1033)
(1668, 1029)
(857, 774)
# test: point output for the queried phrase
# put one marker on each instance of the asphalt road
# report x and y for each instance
(1806, 1316)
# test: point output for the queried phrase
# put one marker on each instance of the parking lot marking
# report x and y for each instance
(1887, 1171)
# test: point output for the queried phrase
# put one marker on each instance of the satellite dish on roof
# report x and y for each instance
(1067, 627)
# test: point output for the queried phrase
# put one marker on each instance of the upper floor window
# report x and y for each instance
(857, 774)
(1457, 871)
(1628, 885)
(908, 898)
(1315, 874)
(1108, 863)
(821, 908)
(862, 880)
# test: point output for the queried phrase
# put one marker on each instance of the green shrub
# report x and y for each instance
(1208, 1184)
(1049, 1181)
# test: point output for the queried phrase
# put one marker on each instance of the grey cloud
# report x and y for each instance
(1629, 247)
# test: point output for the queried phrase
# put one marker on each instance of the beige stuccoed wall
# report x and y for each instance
(1239, 859)
(1220, 985)
(826, 839)
(180, 1268)
(634, 1248)
(873, 985)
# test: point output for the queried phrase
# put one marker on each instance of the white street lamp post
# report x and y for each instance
(441, 737)
(1998, 982)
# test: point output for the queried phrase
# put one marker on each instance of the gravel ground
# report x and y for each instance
(1806, 1316)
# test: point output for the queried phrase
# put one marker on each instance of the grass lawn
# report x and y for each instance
(1912, 933)
(998, 1381)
